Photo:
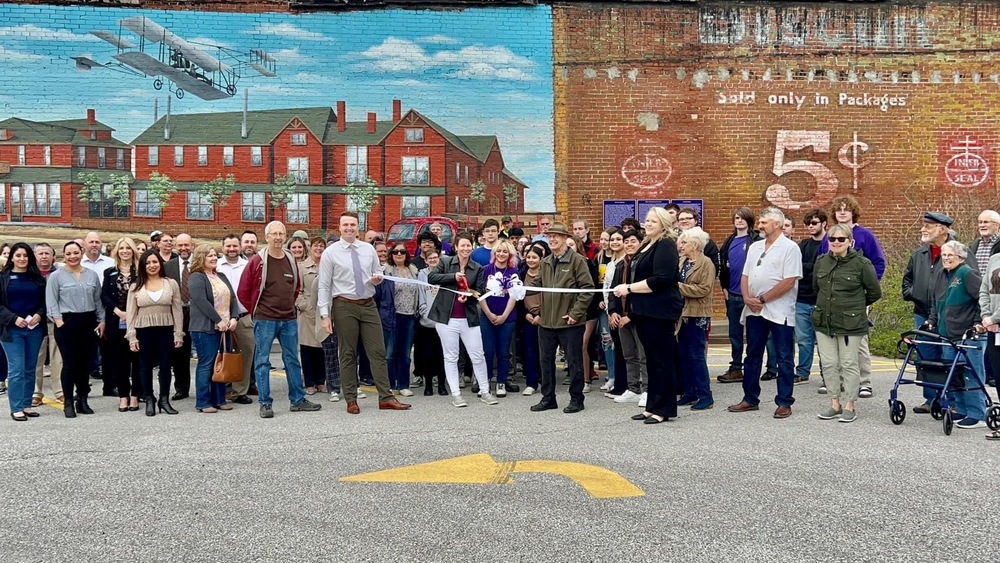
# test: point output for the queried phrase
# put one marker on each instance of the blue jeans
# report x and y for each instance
(609, 346)
(287, 333)
(399, 375)
(694, 362)
(734, 310)
(496, 346)
(970, 403)
(22, 358)
(926, 352)
(806, 335)
(758, 330)
(207, 392)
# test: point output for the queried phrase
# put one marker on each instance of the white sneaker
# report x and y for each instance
(586, 388)
(406, 392)
(361, 394)
(458, 401)
(627, 397)
(642, 400)
(528, 391)
(334, 396)
(487, 398)
(608, 385)
(501, 389)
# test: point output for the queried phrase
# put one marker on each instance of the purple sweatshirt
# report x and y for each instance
(867, 244)
(499, 303)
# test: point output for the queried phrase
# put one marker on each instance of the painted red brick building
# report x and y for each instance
(41, 163)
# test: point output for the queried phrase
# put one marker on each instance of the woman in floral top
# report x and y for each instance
(405, 297)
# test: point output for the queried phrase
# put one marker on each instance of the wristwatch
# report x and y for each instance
(761, 298)
(628, 288)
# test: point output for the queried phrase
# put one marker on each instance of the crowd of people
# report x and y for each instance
(349, 310)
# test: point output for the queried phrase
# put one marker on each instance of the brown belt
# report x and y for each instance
(354, 301)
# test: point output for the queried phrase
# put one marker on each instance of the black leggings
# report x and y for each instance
(77, 342)
(155, 346)
(313, 365)
(120, 363)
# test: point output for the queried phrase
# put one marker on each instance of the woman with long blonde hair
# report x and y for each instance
(121, 363)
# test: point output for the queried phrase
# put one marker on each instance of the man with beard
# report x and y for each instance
(232, 266)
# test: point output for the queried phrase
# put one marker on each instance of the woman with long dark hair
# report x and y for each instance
(122, 364)
(154, 320)
(22, 326)
(530, 310)
(428, 357)
(405, 298)
(73, 301)
(213, 314)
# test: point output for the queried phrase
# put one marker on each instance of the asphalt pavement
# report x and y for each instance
(715, 486)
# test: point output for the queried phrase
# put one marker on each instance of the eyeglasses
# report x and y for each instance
(545, 224)
(839, 239)
(815, 222)
(398, 251)
(685, 218)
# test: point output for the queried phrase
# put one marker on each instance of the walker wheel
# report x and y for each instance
(936, 409)
(993, 418)
(948, 423)
(897, 412)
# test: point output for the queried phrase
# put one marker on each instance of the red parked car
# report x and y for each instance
(406, 230)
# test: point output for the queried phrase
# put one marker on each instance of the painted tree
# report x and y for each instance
(117, 189)
(364, 196)
(283, 190)
(510, 195)
(159, 188)
(219, 190)
(477, 193)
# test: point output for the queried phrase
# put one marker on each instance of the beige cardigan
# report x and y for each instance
(697, 291)
(143, 312)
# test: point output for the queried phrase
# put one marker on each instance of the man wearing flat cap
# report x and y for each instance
(924, 279)
(563, 318)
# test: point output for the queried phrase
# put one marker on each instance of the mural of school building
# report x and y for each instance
(420, 168)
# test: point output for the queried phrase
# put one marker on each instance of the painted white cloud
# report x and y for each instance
(439, 40)
(290, 56)
(288, 30)
(410, 83)
(10, 55)
(473, 62)
(30, 32)
(209, 42)
(276, 89)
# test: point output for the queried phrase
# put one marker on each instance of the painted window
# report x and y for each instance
(154, 156)
(179, 155)
(3, 198)
(120, 159)
(227, 156)
(298, 168)
(466, 175)
(416, 170)
(256, 156)
(47, 154)
(416, 206)
(145, 206)
(297, 210)
(357, 164)
(42, 199)
(199, 207)
(102, 157)
(253, 206)
(81, 156)
(299, 139)
(202, 156)
(20, 155)
(106, 208)
(458, 172)
(93, 135)
(362, 217)
(415, 135)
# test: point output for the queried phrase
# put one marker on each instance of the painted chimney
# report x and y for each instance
(156, 110)
(341, 116)
(91, 117)
(371, 121)
(246, 107)
(166, 122)
(397, 110)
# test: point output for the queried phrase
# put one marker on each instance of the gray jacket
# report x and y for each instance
(989, 294)
(923, 280)
(204, 317)
(444, 275)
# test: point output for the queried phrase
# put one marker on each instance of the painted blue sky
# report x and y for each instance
(476, 72)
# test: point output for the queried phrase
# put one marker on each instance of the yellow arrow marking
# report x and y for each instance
(482, 469)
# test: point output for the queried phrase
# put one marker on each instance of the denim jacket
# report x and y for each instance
(386, 301)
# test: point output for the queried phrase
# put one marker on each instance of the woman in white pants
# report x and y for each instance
(457, 317)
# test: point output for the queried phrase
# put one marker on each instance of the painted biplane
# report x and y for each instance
(184, 65)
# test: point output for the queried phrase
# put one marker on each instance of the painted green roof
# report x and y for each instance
(224, 128)
(452, 138)
(81, 124)
(311, 189)
(64, 131)
(356, 133)
(515, 178)
(53, 174)
(480, 145)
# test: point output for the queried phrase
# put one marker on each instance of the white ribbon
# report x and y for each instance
(517, 291)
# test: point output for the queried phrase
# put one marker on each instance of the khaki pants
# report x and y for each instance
(55, 364)
(244, 332)
(354, 321)
(841, 370)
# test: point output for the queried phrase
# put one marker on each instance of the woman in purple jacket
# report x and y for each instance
(497, 319)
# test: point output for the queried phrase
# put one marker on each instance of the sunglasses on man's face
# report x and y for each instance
(815, 222)
(839, 239)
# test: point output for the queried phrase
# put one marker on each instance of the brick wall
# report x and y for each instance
(759, 105)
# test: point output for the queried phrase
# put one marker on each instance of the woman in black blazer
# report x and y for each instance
(655, 304)
(121, 362)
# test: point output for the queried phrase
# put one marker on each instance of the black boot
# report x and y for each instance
(442, 387)
(150, 406)
(428, 386)
(68, 408)
(164, 405)
(82, 407)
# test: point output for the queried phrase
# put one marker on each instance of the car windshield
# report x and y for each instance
(402, 231)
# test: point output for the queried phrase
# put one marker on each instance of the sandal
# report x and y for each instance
(994, 436)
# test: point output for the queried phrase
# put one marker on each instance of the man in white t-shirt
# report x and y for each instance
(770, 283)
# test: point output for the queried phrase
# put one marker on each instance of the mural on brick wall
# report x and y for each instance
(775, 104)
(258, 116)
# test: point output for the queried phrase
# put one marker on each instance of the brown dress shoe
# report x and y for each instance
(353, 408)
(743, 406)
(392, 405)
(731, 376)
(782, 412)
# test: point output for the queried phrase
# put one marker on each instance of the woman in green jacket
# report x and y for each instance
(846, 285)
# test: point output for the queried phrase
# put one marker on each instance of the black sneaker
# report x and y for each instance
(573, 407)
(513, 387)
(266, 411)
(242, 400)
(305, 405)
(769, 376)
